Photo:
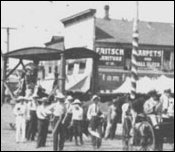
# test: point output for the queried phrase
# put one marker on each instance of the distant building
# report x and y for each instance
(112, 38)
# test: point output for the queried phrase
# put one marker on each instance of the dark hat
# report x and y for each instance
(168, 91)
(153, 93)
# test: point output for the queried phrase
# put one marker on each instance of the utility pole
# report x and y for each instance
(8, 36)
(5, 63)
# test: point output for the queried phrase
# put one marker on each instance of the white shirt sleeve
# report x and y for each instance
(15, 111)
(89, 116)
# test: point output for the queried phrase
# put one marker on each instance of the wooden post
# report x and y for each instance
(3, 78)
(95, 79)
(62, 74)
(36, 62)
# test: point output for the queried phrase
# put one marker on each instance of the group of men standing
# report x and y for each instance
(33, 115)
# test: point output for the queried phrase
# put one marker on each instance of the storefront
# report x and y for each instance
(112, 39)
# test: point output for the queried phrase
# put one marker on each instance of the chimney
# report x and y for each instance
(106, 12)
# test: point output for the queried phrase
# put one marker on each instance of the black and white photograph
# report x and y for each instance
(87, 75)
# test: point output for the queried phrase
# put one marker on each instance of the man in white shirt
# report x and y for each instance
(111, 120)
(20, 112)
(170, 110)
(77, 117)
(164, 100)
(67, 120)
(59, 110)
(32, 128)
(68, 102)
(95, 127)
(43, 122)
(150, 108)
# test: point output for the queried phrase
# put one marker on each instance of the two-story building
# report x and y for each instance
(112, 39)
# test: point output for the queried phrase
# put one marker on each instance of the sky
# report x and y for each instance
(38, 21)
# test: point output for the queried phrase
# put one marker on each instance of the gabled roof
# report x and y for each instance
(120, 31)
(78, 16)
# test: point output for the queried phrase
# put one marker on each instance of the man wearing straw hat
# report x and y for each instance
(77, 117)
(20, 112)
(43, 122)
(94, 115)
(164, 99)
(32, 128)
(59, 110)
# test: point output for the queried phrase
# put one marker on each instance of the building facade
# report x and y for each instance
(112, 39)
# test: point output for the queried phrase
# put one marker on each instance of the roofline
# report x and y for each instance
(140, 44)
(35, 47)
(127, 20)
(88, 12)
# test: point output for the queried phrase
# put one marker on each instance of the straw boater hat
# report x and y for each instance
(70, 98)
(21, 98)
(35, 96)
(95, 97)
(77, 101)
(42, 100)
(59, 95)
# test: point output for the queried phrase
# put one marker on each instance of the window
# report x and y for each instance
(82, 66)
(56, 69)
(50, 69)
(70, 68)
(172, 61)
(166, 60)
(127, 64)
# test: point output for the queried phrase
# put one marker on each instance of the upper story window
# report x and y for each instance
(70, 68)
(168, 60)
(50, 69)
(56, 69)
(82, 67)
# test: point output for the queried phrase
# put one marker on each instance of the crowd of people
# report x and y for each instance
(67, 117)
(157, 109)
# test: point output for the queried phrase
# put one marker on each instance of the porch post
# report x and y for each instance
(62, 74)
(3, 78)
(95, 79)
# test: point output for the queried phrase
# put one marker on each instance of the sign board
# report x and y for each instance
(111, 56)
(149, 58)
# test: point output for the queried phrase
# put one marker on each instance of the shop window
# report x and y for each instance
(127, 57)
(82, 66)
(172, 61)
(167, 55)
(70, 68)
(166, 60)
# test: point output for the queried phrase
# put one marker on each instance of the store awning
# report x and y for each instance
(81, 86)
(44, 54)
